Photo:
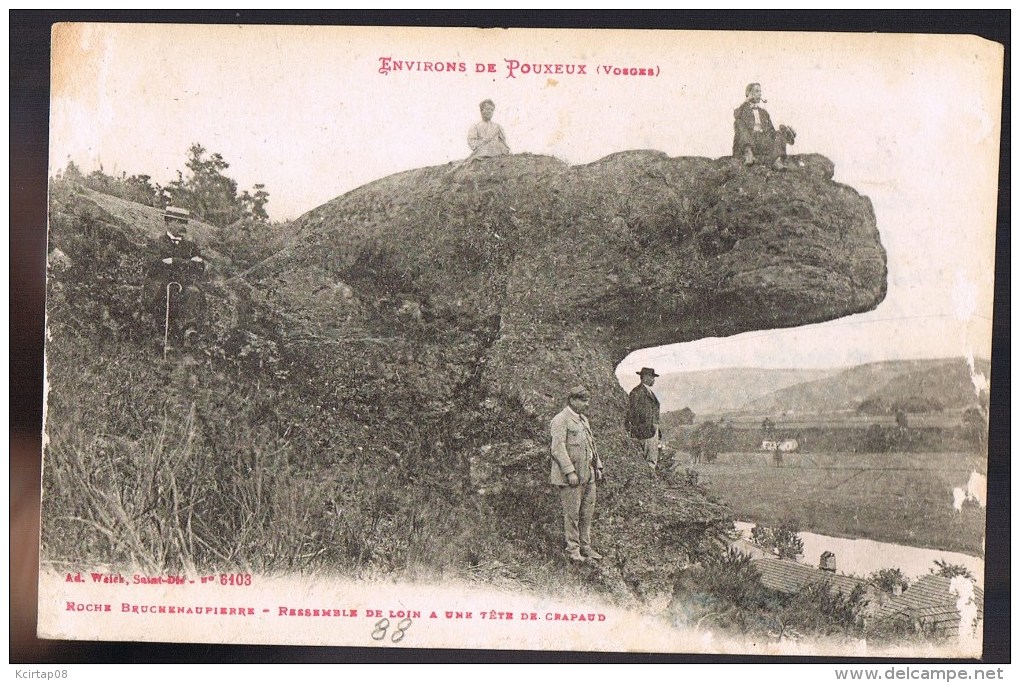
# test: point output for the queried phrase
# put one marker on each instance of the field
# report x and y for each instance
(946, 418)
(901, 498)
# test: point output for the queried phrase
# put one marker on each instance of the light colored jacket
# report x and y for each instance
(487, 139)
(572, 449)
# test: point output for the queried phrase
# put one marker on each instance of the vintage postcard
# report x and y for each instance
(609, 341)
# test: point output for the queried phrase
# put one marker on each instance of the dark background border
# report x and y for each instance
(29, 115)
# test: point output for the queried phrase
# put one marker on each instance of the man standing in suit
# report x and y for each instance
(181, 265)
(576, 467)
(643, 416)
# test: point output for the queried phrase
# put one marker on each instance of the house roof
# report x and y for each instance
(787, 576)
(929, 599)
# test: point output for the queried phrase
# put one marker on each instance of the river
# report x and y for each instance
(862, 556)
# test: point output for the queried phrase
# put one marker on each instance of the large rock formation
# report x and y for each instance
(577, 266)
(632, 251)
(377, 391)
(464, 300)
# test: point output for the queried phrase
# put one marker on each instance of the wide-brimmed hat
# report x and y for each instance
(580, 391)
(647, 371)
(175, 213)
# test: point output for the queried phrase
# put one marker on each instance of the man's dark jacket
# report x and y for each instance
(743, 128)
(642, 413)
(182, 268)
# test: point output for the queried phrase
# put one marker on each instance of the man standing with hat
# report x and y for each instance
(576, 467)
(180, 253)
(173, 279)
(643, 416)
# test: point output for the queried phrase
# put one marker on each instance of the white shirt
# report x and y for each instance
(487, 139)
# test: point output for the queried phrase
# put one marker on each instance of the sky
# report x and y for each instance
(912, 122)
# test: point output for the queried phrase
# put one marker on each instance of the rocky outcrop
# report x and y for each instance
(632, 251)
(466, 299)
(398, 359)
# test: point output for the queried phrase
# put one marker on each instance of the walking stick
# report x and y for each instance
(166, 324)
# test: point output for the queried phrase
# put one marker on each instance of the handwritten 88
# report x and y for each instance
(383, 625)
(235, 579)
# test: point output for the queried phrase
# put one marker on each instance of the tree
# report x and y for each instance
(887, 579)
(976, 424)
(950, 570)
(99, 181)
(918, 404)
(136, 188)
(873, 406)
(211, 195)
(706, 442)
(73, 173)
(782, 540)
(875, 439)
(254, 205)
(139, 188)
(206, 191)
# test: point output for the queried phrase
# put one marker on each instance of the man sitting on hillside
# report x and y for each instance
(172, 281)
(487, 139)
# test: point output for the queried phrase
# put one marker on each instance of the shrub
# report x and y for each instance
(782, 540)
(887, 579)
(727, 588)
(731, 576)
(820, 609)
(950, 570)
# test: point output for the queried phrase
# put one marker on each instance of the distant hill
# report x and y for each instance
(726, 390)
(948, 383)
(945, 382)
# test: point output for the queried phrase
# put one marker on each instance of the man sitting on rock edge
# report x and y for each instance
(755, 139)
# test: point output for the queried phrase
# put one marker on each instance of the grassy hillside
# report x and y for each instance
(307, 429)
(950, 385)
